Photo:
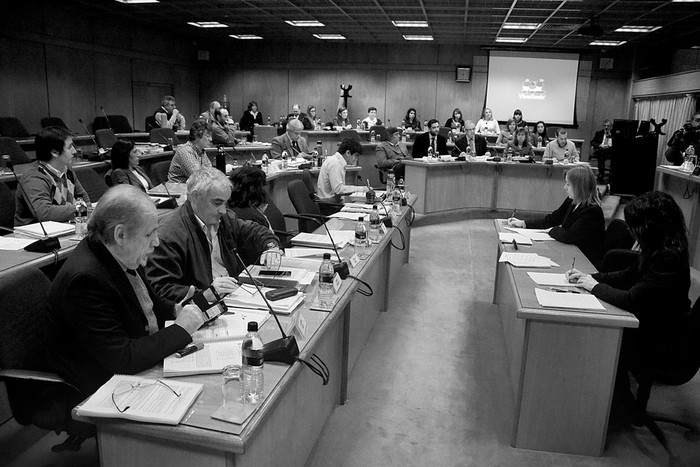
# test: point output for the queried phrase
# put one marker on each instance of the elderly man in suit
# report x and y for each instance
(430, 139)
(291, 141)
(392, 152)
(470, 143)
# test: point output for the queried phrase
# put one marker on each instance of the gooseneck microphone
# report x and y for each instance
(109, 124)
(341, 267)
(100, 150)
(43, 245)
(387, 221)
(170, 203)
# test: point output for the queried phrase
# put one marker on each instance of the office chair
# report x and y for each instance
(93, 183)
(444, 131)
(105, 138)
(10, 146)
(617, 247)
(11, 126)
(326, 207)
(53, 121)
(36, 395)
(382, 175)
(379, 132)
(306, 178)
(163, 135)
(264, 133)
(349, 134)
(303, 205)
(117, 123)
(150, 123)
(159, 172)
(7, 208)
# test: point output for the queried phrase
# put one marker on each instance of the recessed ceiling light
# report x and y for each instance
(305, 24)
(137, 1)
(512, 40)
(410, 24)
(521, 25)
(329, 37)
(207, 24)
(244, 36)
(417, 37)
(608, 43)
(641, 29)
(687, 1)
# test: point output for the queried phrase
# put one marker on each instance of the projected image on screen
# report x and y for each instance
(542, 85)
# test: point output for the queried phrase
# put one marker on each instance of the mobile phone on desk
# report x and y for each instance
(269, 272)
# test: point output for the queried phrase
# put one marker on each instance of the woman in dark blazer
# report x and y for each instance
(248, 197)
(520, 146)
(579, 220)
(456, 122)
(250, 117)
(125, 166)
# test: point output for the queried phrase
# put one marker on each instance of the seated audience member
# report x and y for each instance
(221, 133)
(249, 200)
(197, 241)
(167, 116)
(191, 156)
(392, 152)
(487, 125)
(250, 117)
(689, 135)
(520, 147)
(311, 121)
(470, 143)
(456, 122)
(291, 141)
(126, 168)
(539, 136)
(105, 318)
(371, 119)
(49, 183)
(331, 179)
(560, 148)
(341, 119)
(208, 115)
(430, 139)
(518, 119)
(654, 288)
(579, 220)
(296, 114)
(601, 146)
(410, 121)
(508, 134)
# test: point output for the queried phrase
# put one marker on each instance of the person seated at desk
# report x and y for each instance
(601, 147)
(470, 144)
(341, 119)
(520, 147)
(291, 141)
(539, 136)
(198, 239)
(208, 115)
(250, 117)
(456, 122)
(654, 288)
(411, 122)
(104, 317)
(508, 134)
(560, 148)
(311, 121)
(125, 166)
(689, 135)
(50, 185)
(191, 156)
(167, 116)
(331, 179)
(371, 119)
(249, 200)
(392, 152)
(579, 220)
(486, 124)
(430, 139)
(221, 133)
(296, 114)
(518, 119)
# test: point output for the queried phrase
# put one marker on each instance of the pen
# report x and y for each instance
(515, 244)
(188, 350)
(573, 263)
(563, 290)
(513, 214)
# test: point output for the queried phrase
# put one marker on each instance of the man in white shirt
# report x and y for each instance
(560, 148)
(371, 119)
(331, 180)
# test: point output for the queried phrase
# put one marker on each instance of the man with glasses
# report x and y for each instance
(331, 179)
(470, 143)
(291, 141)
(105, 318)
(191, 156)
(50, 185)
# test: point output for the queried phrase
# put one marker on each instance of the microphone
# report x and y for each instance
(106, 118)
(342, 267)
(100, 151)
(387, 220)
(283, 350)
(43, 245)
(171, 202)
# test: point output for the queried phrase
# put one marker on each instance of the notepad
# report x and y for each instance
(340, 237)
(301, 252)
(532, 234)
(526, 260)
(52, 228)
(248, 297)
(571, 301)
(508, 237)
(551, 279)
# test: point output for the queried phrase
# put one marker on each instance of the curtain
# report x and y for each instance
(676, 109)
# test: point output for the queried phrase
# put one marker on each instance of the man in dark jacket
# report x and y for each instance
(470, 143)
(430, 139)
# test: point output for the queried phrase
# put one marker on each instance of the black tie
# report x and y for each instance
(432, 143)
(295, 145)
(131, 271)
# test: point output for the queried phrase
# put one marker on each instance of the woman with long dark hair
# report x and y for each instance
(411, 120)
(125, 166)
(249, 199)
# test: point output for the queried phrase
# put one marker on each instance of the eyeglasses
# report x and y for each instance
(124, 391)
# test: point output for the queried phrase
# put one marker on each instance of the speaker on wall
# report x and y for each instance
(463, 74)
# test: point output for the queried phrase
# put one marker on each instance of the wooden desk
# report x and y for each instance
(562, 362)
(284, 429)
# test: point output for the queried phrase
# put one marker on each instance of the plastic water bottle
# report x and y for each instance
(221, 160)
(396, 198)
(359, 124)
(285, 163)
(314, 158)
(252, 368)
(325, 282)
(80, 218)
(361, 239)
(265, 161)
(390, 181)
(269, 121)
(374, 222)
(372, 137)
(539, 141)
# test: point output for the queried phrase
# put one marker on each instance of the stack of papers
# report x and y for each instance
(310, 264)
(551, 279)
(341, 238)
(248, 297)
(532, 234)
(295, 277)
(508, 237)
(351, 216)
(301, 252)
(578, 301)
(52, 228)
(13, 243)
(526, 260)
(357, 207)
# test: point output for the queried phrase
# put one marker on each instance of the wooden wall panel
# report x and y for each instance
(319, 88)
(410, 89)
(270, 89)
(71, 88)
(368, 89)
(113, 86)
(23, 83)
(451, 94)
(417, 54)
(223, 81)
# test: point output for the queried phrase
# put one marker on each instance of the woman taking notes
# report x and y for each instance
(579, 220)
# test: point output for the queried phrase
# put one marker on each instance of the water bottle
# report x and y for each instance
(265, 161)
(361, 240)
(224, 103)
(80, 218)
(314, 158)
(396, 198)
(372, 137)
(403, 124)
(539, 141)
(359, 124)
(425, 126)
(566, 156)
(221, 160)
(252, 368)
(431, 153)
(374, 222)
(509, 154)
(269, 121)
(390, 181)
(285, 162)
(325, 282)
(3, 164)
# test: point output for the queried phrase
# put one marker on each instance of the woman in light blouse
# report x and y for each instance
(487, 125)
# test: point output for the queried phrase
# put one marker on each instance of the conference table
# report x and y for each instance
(287, 423)
(562, 362)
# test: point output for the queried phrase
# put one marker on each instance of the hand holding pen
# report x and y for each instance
(514, 222)
(574, 276)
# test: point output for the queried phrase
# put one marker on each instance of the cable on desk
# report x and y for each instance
(55, 257)
(318, 366)
(687, 194)
(366, 293)
(403, 241)
(413, 216)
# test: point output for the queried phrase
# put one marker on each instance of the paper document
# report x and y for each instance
(301, 252)
(14, 243)
(340, 237)
(552, 279)
(52, 228)
(532, 234)
(248, 297)
(526, 260)
(310, 264)
(293, 278)
(508, 237)
(573, 301)
(210, 359)
(351, 216)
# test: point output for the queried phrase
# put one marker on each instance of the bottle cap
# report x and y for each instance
(374, 208)
(326, 256)
(252, 326)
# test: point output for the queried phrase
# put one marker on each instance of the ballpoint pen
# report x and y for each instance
(573, 263)
(515, 244)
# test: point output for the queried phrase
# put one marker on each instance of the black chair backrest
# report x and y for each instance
(7, 208)
(303, 204)
(349, 134)
(379, 132)
(275, 216)
(10, 146)
(162, 135)
(93, 183)
(105, 138)
(444, 131)
(150, 123)
(117, 123)
(159, 172)
(306, 178)
(53, 121)
(617, 236)
(11, 126)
